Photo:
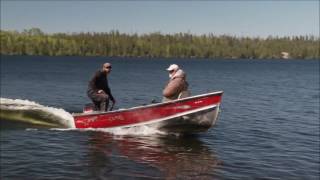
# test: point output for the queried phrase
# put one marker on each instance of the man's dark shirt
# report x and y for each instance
(99, 81)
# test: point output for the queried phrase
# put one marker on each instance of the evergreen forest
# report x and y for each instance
(179, 45)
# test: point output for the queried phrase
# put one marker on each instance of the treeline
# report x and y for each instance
(181, 45)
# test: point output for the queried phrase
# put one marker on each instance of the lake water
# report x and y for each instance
(268, 127)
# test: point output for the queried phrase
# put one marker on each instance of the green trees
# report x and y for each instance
(180, 45)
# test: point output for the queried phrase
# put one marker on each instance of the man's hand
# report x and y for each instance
(112, 106)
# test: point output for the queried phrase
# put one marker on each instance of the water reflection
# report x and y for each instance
(150, 157)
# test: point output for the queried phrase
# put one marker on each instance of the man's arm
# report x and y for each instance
(92, 82)
(172, 88)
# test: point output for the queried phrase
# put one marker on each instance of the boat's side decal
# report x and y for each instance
(183, 107)
(198, 102)
(116, 118)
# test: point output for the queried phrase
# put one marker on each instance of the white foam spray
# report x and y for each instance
(142, 130)
(54, 114)
(135, 130)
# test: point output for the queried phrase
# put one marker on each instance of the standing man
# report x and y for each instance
(98, 89)
(177, 86)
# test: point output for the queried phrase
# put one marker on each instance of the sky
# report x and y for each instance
(253, 18)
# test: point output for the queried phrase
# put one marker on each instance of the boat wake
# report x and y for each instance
(31, 113)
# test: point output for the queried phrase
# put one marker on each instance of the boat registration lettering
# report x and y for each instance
(116, 118)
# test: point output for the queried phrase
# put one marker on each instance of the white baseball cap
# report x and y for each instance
(173, 67)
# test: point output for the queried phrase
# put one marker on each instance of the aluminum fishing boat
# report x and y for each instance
(187, 115)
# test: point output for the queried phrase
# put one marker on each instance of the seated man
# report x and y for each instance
(98, 89)
(177, 86)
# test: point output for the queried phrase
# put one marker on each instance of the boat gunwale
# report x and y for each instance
(147, 106)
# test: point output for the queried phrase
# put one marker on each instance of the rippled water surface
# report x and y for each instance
(268, 127)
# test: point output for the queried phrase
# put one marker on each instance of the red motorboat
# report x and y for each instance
(186, 115)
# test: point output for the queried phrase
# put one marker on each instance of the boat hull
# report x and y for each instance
(199, 121)
(192, 114)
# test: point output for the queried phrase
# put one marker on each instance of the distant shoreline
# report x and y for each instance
(157, 45)
(161, 58)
